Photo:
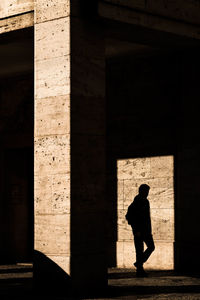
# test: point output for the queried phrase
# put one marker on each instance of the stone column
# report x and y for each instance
(52, 131)
(70, 141)
(188, 163)
(88, 205)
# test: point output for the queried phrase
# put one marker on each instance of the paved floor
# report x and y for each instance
(16, 282)
(158, 285)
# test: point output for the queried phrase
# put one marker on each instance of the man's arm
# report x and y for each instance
(135, 219)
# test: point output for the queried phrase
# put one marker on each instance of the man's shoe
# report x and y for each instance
(141, 273)
(138, 266)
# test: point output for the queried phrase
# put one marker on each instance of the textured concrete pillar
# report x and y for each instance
(88, 210)
(70, 141)
(52, 131)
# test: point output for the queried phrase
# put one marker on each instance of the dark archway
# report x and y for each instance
(16, 146)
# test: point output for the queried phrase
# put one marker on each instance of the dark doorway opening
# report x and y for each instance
(143, 101)
(16, 146)
(152, 99)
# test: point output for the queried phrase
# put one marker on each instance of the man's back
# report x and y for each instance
(140, 215)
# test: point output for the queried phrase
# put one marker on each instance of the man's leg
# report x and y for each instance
(139, 249)
(148, 239)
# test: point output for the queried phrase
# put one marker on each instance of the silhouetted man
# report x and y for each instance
(139, 218)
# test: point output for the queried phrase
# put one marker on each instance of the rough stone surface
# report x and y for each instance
(52, 39)
(14, 7)
(52, 132)
(52, 77)
(52, 192)
(157, 172)
(46, 10)
(52, 154)
(16, 22)
(69, 136)
(57, 225)
(55, 118)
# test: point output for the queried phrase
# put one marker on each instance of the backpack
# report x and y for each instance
(129, 214)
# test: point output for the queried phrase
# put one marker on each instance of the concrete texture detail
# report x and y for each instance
(47, 10)
(49, 34)
(55, 118)
(15, 7)
(58, 226)
(52, 194)
(69, 135)
(158, 173)
(52, 132)
(52, 154)
(52, 77)
(16, 22)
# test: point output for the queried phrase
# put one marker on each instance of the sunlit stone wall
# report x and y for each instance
(14, 7)
(157, 172)
(52, 131)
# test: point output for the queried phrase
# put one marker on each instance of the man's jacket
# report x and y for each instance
(138, 215)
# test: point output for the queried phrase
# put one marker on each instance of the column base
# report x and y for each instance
(187, 256)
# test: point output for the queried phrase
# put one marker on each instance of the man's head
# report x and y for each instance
(144, 190)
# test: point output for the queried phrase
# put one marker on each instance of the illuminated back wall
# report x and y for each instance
(158, 173)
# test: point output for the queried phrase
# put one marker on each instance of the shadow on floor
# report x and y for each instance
(49, 278)
(130, 273)
(51, 282)
(123, 282)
